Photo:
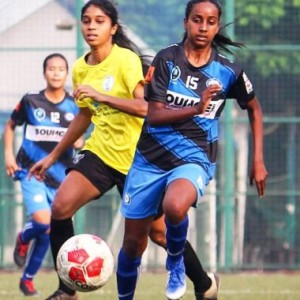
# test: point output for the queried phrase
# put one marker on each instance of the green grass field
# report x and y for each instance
(244, 286)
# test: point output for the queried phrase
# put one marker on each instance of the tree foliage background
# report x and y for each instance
(269, 29)
(160, 22)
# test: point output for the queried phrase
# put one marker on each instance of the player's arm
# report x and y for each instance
(258, 172)
(76, 130)
(10, 160)
(136, 106)
(159, 114)
(79, 143)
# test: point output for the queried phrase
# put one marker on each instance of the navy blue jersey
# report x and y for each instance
(173, 81)
(45, 123)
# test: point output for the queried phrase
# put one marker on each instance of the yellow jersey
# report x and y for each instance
(115, 133)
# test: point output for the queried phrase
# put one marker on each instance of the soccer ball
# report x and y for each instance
(85, 262)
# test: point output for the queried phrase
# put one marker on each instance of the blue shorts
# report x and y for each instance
(144, 189)
(36, 195)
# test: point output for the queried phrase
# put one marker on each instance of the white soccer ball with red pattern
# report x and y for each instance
(85, 262)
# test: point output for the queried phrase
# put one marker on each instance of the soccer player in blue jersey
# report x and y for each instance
(186, 88)
(109, 89)
(45, 116)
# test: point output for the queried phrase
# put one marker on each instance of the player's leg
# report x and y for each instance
(193, 266)
(185, 184)
(73, 193)
(138, 211)
(179, 197)
(86, 180)
(36, 230)
(129, 259)
(39, 250)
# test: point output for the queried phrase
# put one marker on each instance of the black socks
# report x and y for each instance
(60, 231)
(194, 270)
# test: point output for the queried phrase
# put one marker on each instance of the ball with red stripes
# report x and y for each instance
(85, 262)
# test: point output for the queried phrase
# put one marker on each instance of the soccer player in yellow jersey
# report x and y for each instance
(116, 103)
(109, 90)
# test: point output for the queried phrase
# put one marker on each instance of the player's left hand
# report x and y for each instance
(85, 91)
(208, 94)
(259, 175)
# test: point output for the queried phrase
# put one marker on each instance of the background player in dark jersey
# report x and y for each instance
(109, 89)
(186, 88)
(45, 116)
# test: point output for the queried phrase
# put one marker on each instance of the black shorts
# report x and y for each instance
(97, 172)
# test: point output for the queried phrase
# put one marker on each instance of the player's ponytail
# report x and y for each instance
(222, 41)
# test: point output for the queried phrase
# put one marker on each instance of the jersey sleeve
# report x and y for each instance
(132, 71)
(157, 78)
(75, 80)
(19, 115)
(242, 90)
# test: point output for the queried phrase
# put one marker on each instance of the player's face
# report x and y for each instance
(96, 27)
(56, 73)
(202, 24)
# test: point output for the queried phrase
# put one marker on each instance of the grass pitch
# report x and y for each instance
(244, 286)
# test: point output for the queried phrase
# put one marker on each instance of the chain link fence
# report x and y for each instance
(232, 229)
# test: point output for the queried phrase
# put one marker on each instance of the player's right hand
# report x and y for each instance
(11, 165)
(38, 170)
(207, 95)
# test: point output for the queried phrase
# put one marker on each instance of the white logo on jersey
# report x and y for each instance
(77, 158)
(69, 116)
(38, 198)
(39, 114)
(175, 74)
(200, 182)
(127, 199)
(212, 81)
(248, 83)
(212, 109)
(108, 83)
(44, 133)
(179, 100)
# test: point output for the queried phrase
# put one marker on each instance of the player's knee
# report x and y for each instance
(134, 246)
(175, 213)
(61, 210)
(43, 229)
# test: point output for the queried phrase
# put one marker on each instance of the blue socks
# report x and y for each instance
(37, 256)
(176, 239)
(32, 230)
(36, 231)
(128, 268)
(127, 275)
